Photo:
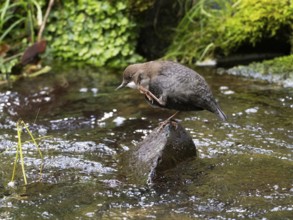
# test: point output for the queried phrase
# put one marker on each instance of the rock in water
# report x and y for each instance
(161, 150)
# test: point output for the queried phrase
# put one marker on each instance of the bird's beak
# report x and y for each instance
(123, 84)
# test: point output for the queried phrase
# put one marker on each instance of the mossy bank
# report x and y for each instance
(278, 70)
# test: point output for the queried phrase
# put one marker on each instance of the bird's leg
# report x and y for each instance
(144, 91)
(164, 123)
(172, 116)
(150, 95)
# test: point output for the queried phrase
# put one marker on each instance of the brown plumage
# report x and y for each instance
(171, 85)
(31, 54)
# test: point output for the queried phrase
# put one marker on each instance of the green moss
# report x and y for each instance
(278, 65)
(223, 26)
(98, 33)
(278, 70)
(253, 21)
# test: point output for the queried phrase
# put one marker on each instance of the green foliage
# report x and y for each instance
(93, 32)
(19, 21)
(225, 25)
(19, 17)
(139, 5)
(6, 67)
(253, 21)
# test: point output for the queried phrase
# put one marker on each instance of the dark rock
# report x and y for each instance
(161, 150)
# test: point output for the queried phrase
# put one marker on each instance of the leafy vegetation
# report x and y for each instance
(18, 16)
(103, 33)
(19, 21)
(100, 33)
(138, 6)
(93, 32)
(222, 26)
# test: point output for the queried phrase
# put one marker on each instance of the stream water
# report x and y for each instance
(244, 167)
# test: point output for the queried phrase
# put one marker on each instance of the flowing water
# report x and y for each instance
(84, 127)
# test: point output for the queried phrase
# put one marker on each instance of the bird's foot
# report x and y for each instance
(150, 96)
(169, 120)
(172, 122)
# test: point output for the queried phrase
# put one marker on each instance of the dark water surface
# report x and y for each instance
(244, 168)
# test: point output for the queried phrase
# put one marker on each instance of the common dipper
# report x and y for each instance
(170, 85)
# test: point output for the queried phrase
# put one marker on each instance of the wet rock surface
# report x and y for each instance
(161, 150)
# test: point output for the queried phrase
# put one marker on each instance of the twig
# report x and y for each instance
(45, 20)
(12, 57)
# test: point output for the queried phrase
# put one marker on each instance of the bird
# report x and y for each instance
(31, 54)
(171, 85)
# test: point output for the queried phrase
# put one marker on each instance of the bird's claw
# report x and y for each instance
(170, 120)
(150, 95)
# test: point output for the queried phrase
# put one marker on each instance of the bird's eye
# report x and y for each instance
(129, 78)
(139, 78)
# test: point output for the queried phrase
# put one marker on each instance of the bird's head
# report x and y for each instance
(131, 76)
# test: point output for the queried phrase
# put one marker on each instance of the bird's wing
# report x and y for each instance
(185, 86)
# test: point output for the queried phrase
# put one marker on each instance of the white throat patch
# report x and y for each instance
(131, 85)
